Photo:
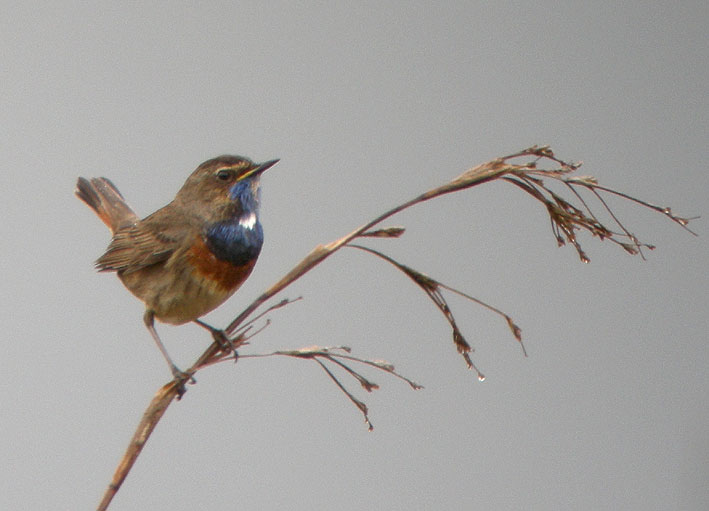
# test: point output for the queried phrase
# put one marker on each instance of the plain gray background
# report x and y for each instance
(366, 104)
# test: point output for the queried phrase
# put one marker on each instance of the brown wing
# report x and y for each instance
(147, 242)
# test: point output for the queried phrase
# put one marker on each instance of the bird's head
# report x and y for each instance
(225, 183)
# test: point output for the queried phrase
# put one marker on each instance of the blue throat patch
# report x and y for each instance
(242, 192)
(229, 240)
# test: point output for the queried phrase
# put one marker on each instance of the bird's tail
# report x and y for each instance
(104, 198)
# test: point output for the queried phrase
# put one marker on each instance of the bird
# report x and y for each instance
(188, 257)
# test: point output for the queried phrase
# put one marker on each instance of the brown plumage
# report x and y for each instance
(188, 257)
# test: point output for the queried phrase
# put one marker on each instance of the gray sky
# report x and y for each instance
(366, 106)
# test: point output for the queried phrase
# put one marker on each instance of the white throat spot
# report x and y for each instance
(248, 221)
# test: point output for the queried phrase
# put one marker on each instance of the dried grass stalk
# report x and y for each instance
(567, 220)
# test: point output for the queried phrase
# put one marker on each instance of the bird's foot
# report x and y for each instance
(226, 344)
(180, 378)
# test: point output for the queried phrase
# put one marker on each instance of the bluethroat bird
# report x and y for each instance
(188, 257)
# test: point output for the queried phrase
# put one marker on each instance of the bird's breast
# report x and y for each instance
(237, 240)
(224, 274)
(209, 270)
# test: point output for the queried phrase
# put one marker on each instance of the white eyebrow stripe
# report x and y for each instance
(248, 221)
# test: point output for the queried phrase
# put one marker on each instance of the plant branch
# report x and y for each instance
(566, 220)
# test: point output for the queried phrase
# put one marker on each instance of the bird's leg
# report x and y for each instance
(180, 377)
(221, 338)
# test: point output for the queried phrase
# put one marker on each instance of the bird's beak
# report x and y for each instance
(260, 168)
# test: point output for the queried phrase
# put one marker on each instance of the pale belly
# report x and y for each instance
(178, 296)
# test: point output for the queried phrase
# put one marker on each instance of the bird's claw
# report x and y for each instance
(180, 378)
(225, 343)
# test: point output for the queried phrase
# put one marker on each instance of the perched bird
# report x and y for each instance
(188, 257)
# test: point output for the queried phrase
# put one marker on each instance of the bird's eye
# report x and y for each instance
(224, 175)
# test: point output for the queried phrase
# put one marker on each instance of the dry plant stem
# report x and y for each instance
(432, 288)
(565, 218)
(151, 417)
(336, 355)
(341, 353)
